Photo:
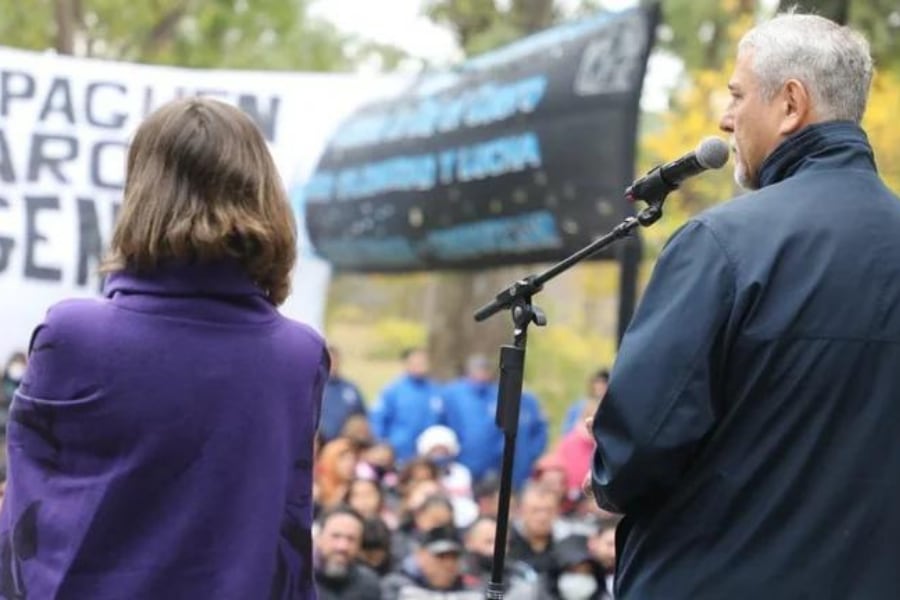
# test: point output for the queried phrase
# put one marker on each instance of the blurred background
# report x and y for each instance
(373, 317)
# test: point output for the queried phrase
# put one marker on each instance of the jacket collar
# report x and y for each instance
(821, 146)
(218, 278)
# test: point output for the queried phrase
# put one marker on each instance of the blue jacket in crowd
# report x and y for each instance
(470, 408)
(341, 400)
(406, 408)
(751, 432)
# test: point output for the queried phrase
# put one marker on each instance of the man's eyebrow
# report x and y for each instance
(733, 86)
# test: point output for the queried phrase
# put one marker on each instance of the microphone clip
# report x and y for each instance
(652, 188)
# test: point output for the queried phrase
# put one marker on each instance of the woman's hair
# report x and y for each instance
(202, 186)
(332, 486)
(364, 481)
(832, 61)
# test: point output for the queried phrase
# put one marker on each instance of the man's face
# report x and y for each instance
(752, 121)
(539, 511)
(480, 538)
(339, 544)
(440, 570)
(417, 364)
(602, 547)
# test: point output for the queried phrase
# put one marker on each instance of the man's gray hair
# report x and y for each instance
(833, 62)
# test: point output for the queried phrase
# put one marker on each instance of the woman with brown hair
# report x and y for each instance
(161, 441)
(335, 469)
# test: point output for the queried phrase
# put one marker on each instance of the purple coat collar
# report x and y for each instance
(220, 278)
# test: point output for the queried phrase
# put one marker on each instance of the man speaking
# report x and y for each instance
(751, 431)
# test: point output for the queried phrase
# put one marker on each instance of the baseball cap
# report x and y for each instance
(441, 540)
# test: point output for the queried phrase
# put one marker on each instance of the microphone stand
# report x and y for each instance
(517, 298)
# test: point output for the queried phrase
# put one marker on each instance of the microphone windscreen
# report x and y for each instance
(712, 153)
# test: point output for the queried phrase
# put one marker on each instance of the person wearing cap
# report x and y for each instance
(470, 406)
(432, 571)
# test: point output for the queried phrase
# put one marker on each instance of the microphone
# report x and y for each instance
(712, 153)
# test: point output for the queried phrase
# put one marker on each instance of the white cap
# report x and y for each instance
(437, 435)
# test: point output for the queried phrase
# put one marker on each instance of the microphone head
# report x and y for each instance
(712, 153)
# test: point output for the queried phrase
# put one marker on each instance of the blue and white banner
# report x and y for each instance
(519, 155)
(65, 124)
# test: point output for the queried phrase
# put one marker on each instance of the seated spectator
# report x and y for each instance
(341, 399)
(440, 445)
(520, 581)
(414, 472)
(576, 576)
(357, 429)
(366, 497)
(550, 473)
(376, 546)
(531, 536)
(487, 496)
(602, 546)
(337, 548)
(334, 470)
(434, 511)
(377, 462)
(596, 389)
(432, 571)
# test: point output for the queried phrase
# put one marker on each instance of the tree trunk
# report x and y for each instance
(64, 13)
(453, 334)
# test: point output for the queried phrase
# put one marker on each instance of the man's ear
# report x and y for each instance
(798, 111)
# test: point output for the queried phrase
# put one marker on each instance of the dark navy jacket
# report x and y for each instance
(340, 401)
(751, 432)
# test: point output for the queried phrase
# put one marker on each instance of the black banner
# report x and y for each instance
(520, 155)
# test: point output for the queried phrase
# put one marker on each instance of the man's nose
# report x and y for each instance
(726, 124)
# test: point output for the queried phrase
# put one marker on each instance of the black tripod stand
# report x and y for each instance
(517, 298)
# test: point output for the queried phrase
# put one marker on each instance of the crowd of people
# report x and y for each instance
(406, 493)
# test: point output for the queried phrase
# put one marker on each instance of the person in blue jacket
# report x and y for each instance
(470, 406)
(596, 389)
(751, 432)
(340, 401)
(407, 406)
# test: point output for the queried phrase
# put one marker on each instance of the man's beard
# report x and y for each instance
(336, 569)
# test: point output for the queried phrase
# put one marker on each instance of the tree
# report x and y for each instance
(264, 34)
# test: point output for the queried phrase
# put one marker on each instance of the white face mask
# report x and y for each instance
(576, 586)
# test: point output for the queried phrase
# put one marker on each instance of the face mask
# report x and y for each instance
(442, 462)
(576, 586)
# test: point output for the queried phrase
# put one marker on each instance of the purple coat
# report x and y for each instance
(161, 445)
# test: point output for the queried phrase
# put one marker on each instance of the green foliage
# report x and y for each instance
(239, 34)
(393, 335)
(482, 25)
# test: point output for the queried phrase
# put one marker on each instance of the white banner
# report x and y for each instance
(64, 128)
